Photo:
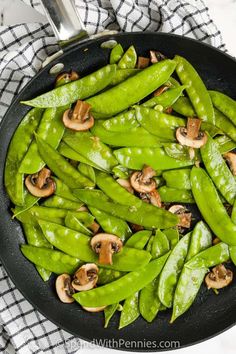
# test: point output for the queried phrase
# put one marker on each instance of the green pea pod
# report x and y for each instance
(122, 288)
(116, 54)
(172, 82)
(123, 95)
(200, 240)
(135, 158)
(13, 179)
(130, 311)
(149, 245)
(62, 203)
(180, 152)
(139, 239)
(166, 99)
(160, 244)
(72, 222)
(111, 224)
(206, 196)
(210, 257)
(184, 106)
(225, 144)
(79, 89)
(171, 271)
(172, 195)
(61, 167)
(29, 202)
(86, 218)
(78, 245)
(146, 215)
(211, 129)
(196, 90)
(35, 237)
(123, 122)
(178, 179)
(129, 59)
(62, 190)
(218, 170)
(91, 148)
(129, 138)
(149, 303)
(224, 104)
(160, 124)
(225, 125)
(54, 261)
(106, 276)
(87, 171)
(120, 172)
(122, 74)
(31, 216)
(50, 129)
(232, 249)
(173, 236)
(109, 312)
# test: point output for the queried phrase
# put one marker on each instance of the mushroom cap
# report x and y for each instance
(64, 289)
(126, 184)
(219, 277)
(184, 139)
(85, 278)
(231, 159)
(105, 245)
(75, 124)
(184, 218)
(142, 181)
(94, 309)
(65, 77)
(40, 184)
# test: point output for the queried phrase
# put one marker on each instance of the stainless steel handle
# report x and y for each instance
(65, 21)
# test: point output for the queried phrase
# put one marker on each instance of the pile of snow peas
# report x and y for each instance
(102, 173)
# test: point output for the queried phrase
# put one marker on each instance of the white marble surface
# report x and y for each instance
(223, 12)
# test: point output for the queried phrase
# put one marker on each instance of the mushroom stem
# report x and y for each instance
(193, 127)
(105, 254)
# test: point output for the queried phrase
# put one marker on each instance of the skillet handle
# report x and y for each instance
(65, 21)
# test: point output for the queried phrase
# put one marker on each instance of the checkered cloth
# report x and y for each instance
(23, 48)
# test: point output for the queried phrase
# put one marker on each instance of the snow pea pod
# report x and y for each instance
(78, 245)
(171, 271)
(130, 311)
(29, 201)
(149, 303)
(225, 144)
(109, 311)
(111, 224)
(61, 167)
(123, 95)
(179, 152)
(173, 195)
(54, 261)
(32, 215)
(224, 104)
(225, 124)
(139, 239)
(122, 288)
(91, 148)
(211, 206)
(160, 124)
(146, 215)
(184, 106)
(72, 222)
(129, 59)
(84, 217)
(50, 129)
(116, 54)
(173, 236)
(59, 202)
(120, 172)
(149, 245)
(196, 90)
(123, 122)
(134, 137)
(135, 158)
(218, 170)
(167, 99)
(106, 276)
(178, 179)
(13, 179)
(122, 74)
(87, 171)
(200, 240)
(160, 244)
(78, 89)
(62, 190)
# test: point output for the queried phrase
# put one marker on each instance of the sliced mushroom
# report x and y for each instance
(136, 228)
(65, 77)
(216, 241)
(126, 184)
(94, 309)
(191, 136)
(152, 198)
(184, 218)
(79, 118)
(64, 289)
(105, 245)
(94, 227)
(85, 278)
(143, 62)
(156, 56)
(142, 181)
(40, 184)
(219, 277)
(231, 159)
(168, 110)
(161, 90)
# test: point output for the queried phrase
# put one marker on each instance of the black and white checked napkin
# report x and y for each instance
(23, 48)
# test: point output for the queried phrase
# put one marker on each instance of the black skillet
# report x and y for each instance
(210, 314)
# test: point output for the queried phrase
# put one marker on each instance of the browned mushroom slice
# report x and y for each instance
(184, 218)
(40, 184)
(85, 278)
(94, 309)
(168, 110)
(64, 289)
(216, 241)
(161, 90)
(67, 77)
(231, 159)
(152, 198)
(126, 184)
(105, 245)
(156, 56)
(219, 277)
(143, 62)
(191, 136)
(79, 118)
(136, 228)
(94, 227)
(142, 181)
